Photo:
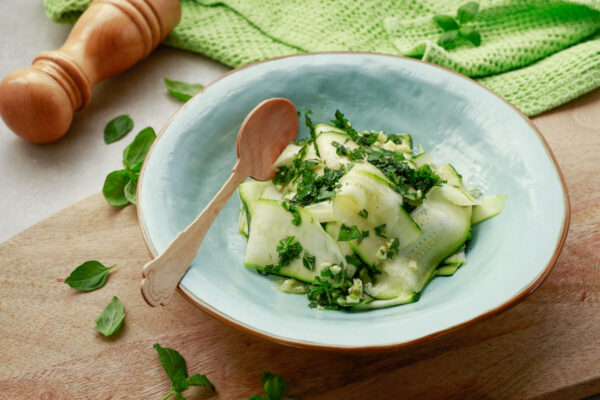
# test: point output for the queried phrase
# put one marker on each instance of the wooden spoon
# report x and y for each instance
(266, 131)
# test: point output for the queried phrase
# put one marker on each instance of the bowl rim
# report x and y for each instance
(208, 309)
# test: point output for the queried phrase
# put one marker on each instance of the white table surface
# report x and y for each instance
(38, 180)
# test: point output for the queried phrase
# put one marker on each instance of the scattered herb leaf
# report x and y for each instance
(455, 27)
(111, 318)
(471, 34)
(308, 261)
(292, 209)
(363, 213)
(288, 250)
(174, 365)
(137, 150)
(446, 22)
(313, 135)
(130, 190)
(120, 186)
(350, 233)
(447, 37)
(117, 128)
(380, 231)
(467, 12)
(274, 387)
(182, 90)
(88, 276)
(114, 188)
(393, 249)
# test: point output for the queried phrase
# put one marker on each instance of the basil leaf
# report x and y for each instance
(182, 90)
(88, 276)
(446, 22)
(380, 230)
(131, 190)
(308, 261)
(265, 376)
(467, 12)
(348, 233)
(117, 128)
(114, 188)
(174, 365)
(200, 380)
(275, 387)
(447, 37)
(111, 318)
(471, 34)
(137, 150)
(363, 213)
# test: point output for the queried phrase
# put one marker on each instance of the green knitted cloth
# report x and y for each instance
(537, 54)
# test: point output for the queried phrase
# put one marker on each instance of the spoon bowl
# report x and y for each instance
(265, 132)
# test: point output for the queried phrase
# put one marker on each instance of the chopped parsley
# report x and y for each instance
(353, 155)
(350, 233)
(400, 173)
(364, 213)
(308, 261)
(367, 139)
(380, 230)
(288, 251)
(313, 135)
(393, 250)
(312, 189)
(342, 123)
(292, 209)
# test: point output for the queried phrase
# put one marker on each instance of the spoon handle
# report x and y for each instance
(162, 275)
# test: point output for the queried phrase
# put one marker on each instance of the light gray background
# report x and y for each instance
(38, 180)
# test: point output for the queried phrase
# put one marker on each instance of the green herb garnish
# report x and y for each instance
(308, 261)
(111, 318)
(313, 135)
(312, 189)
(88, 276)
(274, 386)
(292, 209)
(401, 174)
(342, 123)
(174, 365)
(288, 251)
(454, 27)
(393, 250)
(363, 213)
(117, 128)
(350, 233)
(182, 90)
(120, 186)
(380, 230)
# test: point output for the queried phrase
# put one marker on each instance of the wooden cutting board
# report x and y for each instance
(546, 346)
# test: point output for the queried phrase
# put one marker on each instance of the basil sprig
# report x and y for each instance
(88, 276)
(174, 365)
(111, 318)
(455, 27)
(182, 91)
(117, 128)
(120, 186)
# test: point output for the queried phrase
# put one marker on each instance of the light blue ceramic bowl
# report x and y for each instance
(494, 146)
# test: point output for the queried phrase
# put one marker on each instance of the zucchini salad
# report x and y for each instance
(356, 220)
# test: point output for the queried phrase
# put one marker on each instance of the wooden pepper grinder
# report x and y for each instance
(37, 103)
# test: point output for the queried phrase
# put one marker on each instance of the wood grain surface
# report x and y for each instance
(547, 346)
